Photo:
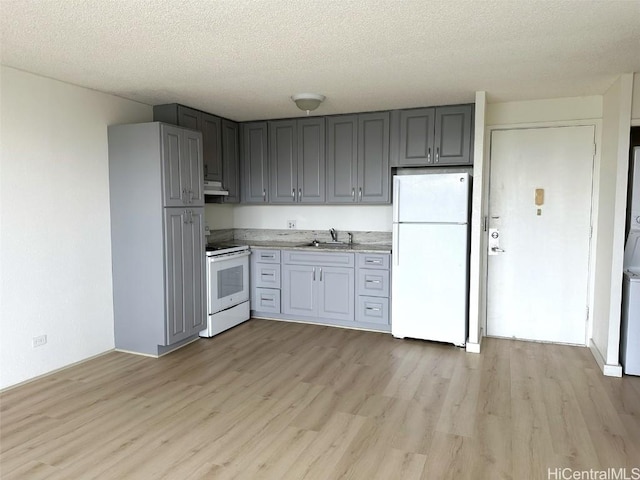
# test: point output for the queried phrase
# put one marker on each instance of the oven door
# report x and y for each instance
(227, 281)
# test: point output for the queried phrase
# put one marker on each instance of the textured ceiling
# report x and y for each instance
(243, 59)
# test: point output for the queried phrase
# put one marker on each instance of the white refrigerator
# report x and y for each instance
(430, 257)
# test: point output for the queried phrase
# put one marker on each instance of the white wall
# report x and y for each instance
(611, 216)
(635, 104)
(478, 257)
(55, 249)
(315, 217)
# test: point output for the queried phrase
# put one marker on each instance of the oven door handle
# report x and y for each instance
(228, 256)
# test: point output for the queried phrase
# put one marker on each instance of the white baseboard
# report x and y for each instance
(473, 347)
(608, 370)
(53, 372)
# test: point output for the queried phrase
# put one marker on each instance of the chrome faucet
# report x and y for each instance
(334, 234)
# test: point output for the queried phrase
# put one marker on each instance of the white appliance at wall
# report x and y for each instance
(630, 327)
(227, 287)
(430, 257)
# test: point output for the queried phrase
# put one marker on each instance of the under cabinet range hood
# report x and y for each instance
(214, 188)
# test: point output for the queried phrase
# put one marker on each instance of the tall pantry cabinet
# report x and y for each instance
(157, 236)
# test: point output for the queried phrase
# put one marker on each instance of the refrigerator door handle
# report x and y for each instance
(395, 247)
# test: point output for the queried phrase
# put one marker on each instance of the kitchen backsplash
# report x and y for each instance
(295, 236)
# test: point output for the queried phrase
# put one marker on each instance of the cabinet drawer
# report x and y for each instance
(374, 283)
(373, 260)
(266, 275)
(330, 259)
(372, 310)
(266, 255)
(266, 300)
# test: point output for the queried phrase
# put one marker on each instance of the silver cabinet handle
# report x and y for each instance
(264, 195)
(360, 193)
(293, 194)
(299, 194)
(376, 262)
(375, 309)
(429, 155)
(437, 154)
(268, 274)
(314, 274)
(321, 274)
(372, 281)
(353, 193)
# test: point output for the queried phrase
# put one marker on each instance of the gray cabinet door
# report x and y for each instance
(181, 167)
(187, 117)
(194, 181)
(255, 169)
(311, 160)
(184, 267)
(298, 290)
(211, 129)
(416, 137)
(373, 158)
(283, 161)
(336, 297)
(173, 170)
(453, 135)
(341, 157)
(230, 161)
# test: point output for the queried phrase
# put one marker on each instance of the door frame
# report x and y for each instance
(595, 188)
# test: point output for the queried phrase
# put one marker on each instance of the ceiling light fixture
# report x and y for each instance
(307, 101)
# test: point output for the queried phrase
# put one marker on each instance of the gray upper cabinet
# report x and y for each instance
(182, 167)
(373, 158)
(417, 131)
(210, 127)
(358, 158)
(434, 136)
(283, 161)
(297, 161)
(342, 158)
(453, 135)
(231, 161)
(311, 160)
(255, 166)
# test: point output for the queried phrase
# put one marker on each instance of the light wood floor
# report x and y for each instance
(274, 400)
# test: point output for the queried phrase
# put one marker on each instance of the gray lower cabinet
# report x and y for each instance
(332, 288)
(433, 136)
(357, 156)
(265, 281)
(372, 288)
(158, 254)
(185, 290)
(254, 156)
(316, 285)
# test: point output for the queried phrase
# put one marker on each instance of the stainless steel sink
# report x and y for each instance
(328, 245)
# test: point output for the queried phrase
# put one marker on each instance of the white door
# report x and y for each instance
(539, 233)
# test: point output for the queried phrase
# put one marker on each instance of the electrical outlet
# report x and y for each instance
(39, 341)
(291, 224)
